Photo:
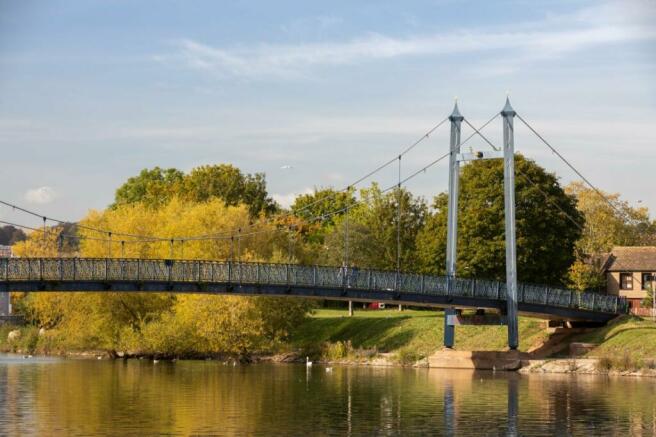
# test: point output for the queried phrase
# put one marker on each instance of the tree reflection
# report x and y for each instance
(196, 397)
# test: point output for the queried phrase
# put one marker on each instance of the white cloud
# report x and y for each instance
(286, 200)
(40, 195)
(542, 40)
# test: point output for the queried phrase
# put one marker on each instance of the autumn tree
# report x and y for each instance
(610, 221)
(43, 309)
(163, 322)
(548, 225)
(585, 275)
(41, 243)
(236, 325)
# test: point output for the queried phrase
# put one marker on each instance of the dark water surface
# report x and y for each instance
(68, 397)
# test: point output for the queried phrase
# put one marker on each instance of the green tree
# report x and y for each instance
(319, 211)
(372, 230)
(323, 202)
(548, 225)
(10, 235)
(153, 187)
(227, 182)
(431, 238)
(157, 186)
(648, 301)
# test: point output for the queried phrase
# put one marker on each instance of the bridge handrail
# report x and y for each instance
(235, 272)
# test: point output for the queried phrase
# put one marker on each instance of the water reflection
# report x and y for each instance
(139, 397)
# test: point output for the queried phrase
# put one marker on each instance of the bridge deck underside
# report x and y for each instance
(343, 294)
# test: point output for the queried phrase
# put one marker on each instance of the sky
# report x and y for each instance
(315, 94)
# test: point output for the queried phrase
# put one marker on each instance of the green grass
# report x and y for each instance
(409, 334)
(626, 343)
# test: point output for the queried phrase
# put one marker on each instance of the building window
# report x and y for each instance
(626, 281)
(647, 279)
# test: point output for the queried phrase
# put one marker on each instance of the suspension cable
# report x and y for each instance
(147, 238)
(349, 187)
(571, 166)
(478, 131)
(80, 226)
(533, 183)
(231, 234)
(349, 206)
(62, 235)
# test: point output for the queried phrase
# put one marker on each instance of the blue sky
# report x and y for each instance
(314, 93)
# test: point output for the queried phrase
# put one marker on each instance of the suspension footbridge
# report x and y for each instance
(348, 282)
(293, 280)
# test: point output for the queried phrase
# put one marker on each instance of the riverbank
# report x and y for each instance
(403, 337)
(626, 346)
(410, 337)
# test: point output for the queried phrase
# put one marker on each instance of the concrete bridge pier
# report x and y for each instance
(449, 328)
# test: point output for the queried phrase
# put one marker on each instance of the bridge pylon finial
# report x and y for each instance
(455, 114)
(508, 109)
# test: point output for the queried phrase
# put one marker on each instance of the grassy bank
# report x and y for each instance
(407, 335)
(627, 343)
(330, 334)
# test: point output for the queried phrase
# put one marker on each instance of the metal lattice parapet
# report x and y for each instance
(226, 272)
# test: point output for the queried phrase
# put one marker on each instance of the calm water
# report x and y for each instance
(68, 397)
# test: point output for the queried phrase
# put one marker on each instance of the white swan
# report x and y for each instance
(308, 363)
(329, 370)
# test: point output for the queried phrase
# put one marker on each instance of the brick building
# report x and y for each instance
(630, 272)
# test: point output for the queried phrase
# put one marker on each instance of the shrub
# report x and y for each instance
(408, 356)
(604, 364)
(627, 363)
(30, 339)
(337, 350)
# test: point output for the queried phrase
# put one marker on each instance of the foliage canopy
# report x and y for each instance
(156, 187)
(548, 225)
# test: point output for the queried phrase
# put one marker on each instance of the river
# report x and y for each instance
(50, 396)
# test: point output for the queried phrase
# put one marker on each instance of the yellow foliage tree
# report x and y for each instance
(162, 322)
(39, 244)
(607, 226)
(177, 221)
(584, 276)
(45, 309)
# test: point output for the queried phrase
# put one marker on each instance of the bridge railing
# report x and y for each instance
(101, 269)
